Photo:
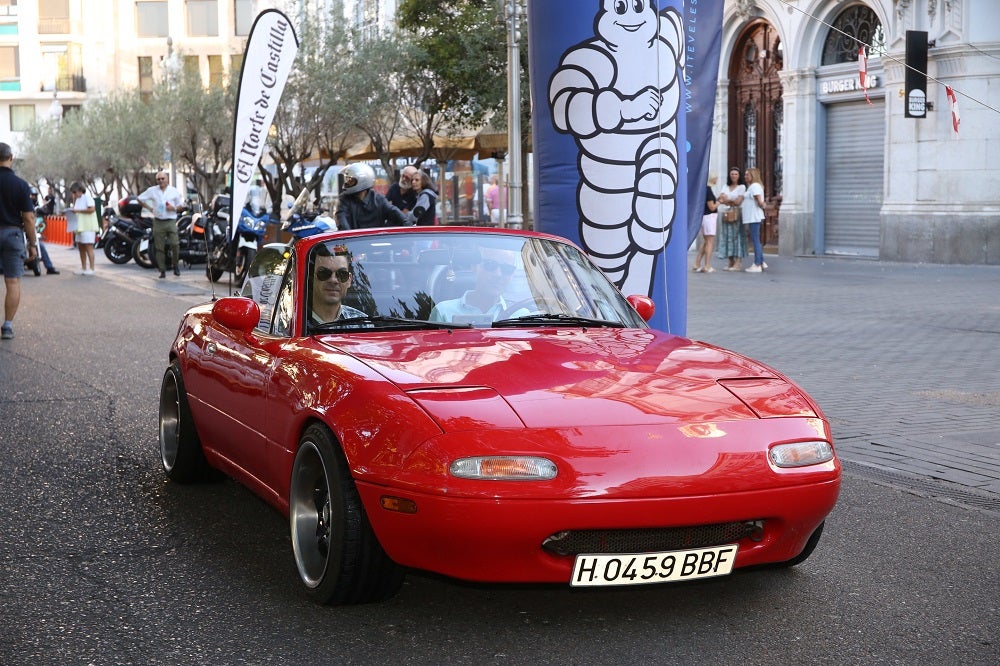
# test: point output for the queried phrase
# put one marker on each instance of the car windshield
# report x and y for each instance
(457, 280)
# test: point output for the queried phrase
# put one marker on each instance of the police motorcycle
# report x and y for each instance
(234, 253)
(302, 224)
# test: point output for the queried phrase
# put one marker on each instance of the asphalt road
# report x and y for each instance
(104, 562)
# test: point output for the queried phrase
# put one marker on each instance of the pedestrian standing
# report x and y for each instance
(17, 220)
(703, 260)
(753, 215)
(87, 226)
(495, 196)
(425, 209)
(403, 195)
(731, 237)
(163, 199)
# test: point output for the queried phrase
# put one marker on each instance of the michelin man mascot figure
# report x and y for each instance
(619, 95)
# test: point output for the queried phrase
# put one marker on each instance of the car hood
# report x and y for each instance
(571, 377)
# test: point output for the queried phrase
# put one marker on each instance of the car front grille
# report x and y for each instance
(652, 540)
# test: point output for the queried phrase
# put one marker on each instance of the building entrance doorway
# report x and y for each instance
(756, 115)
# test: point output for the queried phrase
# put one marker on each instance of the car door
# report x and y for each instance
(235, 369)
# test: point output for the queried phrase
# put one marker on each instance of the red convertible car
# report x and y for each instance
(486, 405)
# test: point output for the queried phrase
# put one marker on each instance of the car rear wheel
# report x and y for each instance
(339, 559)
(180, 449)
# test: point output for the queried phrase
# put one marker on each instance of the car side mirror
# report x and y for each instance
(643, 305)
(238, 314)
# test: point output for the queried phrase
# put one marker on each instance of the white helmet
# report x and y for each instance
(357, 178)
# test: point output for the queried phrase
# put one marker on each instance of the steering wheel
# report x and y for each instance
(540, 305)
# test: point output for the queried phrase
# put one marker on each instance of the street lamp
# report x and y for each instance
(514, 11)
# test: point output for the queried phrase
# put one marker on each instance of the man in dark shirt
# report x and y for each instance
(362, 207)
(403, 195)
(17, 219)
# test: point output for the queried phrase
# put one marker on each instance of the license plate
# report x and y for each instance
(645, 568)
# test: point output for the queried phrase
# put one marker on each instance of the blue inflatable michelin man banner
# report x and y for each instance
(609, 140)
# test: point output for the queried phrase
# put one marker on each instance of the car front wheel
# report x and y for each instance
(339, 559)
(180, 449)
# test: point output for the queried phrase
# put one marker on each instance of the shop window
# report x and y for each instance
(243, 11)
(22, 116)
(151, 18)
(203, 18)
(53, 17)
(853, 27)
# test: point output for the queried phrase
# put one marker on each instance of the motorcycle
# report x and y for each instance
(235, 253)
(119, 236)
(196, 235)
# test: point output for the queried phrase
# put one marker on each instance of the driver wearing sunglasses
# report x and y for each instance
(331, 278)
(485, 302)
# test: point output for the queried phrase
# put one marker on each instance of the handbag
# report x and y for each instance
(731, 215)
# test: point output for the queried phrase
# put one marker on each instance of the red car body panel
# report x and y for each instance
(646, 429)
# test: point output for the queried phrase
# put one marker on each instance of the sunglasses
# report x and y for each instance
(492, 266)
(323, 274)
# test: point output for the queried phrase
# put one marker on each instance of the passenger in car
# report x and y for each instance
(331, 278)
(484, 303)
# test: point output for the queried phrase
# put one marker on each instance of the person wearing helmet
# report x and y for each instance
(360, 206)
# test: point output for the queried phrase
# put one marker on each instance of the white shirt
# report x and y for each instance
(160, 198)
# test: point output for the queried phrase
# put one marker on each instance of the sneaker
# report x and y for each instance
(87, 272)
(708, 270)
(754, 269)
(696, 269)
(162, 275)
(7, 334)
(764, 265)
(51, 271)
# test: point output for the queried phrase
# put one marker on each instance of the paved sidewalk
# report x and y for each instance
(904, 359)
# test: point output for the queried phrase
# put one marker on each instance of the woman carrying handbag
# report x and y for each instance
(731, 237)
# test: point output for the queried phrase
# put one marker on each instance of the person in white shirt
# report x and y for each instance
(163, 199)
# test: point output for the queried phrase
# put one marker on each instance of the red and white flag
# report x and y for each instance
(863, 71)
(956, 117)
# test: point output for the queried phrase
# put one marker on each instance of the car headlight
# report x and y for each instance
(800, 454)
(504, 468)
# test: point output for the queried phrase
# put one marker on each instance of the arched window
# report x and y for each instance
(854, 26)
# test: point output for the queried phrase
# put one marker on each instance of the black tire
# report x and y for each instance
(118, 250)
(180, 449)
(145, 258)
(217, 260)
(807, 551)
(339, 559)
(244, 258)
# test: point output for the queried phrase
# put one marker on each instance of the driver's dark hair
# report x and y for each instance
(322, 250)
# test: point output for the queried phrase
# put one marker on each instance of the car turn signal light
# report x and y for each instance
(504, 468)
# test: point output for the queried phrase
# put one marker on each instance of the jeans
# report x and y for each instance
(758, 249)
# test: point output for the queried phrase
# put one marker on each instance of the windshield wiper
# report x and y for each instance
(369, 322)
(558, 319)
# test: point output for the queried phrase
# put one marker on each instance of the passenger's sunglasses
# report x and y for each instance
(492, 266)
(324, 274)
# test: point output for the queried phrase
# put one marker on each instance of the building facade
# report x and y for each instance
(851, 175)
(843, 176)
